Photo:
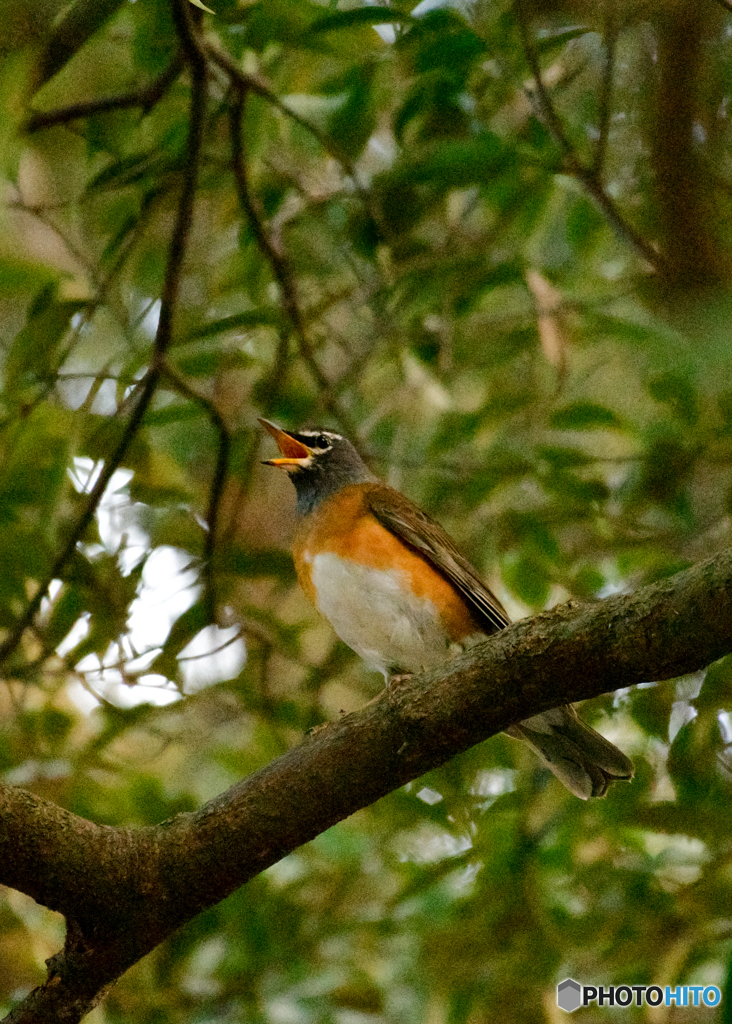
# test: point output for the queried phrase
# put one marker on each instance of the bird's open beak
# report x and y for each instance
(295, 452)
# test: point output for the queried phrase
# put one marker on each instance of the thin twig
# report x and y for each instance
(217, 482)
(169, 296)
(608, 72)
(102, 285)
(546, 107)
(43, 216)
(257, 85)
(572, 164)
(277, 261)
(243, 84)
(146, 97)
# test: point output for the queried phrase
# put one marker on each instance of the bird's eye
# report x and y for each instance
(323, 442)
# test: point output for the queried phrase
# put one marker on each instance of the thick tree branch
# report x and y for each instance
(124, 890)
(687, 210)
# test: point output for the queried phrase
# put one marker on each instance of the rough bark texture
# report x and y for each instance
(124, 890)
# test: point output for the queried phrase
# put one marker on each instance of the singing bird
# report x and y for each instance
(395, 588)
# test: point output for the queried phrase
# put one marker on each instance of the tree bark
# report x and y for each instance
(684, 191)
(123, 890)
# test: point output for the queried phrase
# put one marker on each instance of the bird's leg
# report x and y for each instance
(397, 678)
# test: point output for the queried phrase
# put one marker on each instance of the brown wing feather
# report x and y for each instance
(405, 519)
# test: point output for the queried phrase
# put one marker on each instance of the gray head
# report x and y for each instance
(318, 461)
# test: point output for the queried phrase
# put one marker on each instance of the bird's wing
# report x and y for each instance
(405, 519)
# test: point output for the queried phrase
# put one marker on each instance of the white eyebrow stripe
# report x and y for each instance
(319, 433)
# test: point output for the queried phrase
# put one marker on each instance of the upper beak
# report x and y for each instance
(296, 453)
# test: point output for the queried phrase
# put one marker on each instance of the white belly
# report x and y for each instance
(383, 623)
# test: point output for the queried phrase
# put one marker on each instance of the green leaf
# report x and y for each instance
(134, 169)
(353, 123)
(34, 353)
(651, 708)
(66, 611)
(158, 479)
(585, 416)
(246, 320)
(198, 3)
(48, 725)
(451, 164)
(208, 362)
(552, 40)
(184, 629)
(526, 576)
(434, 104)
(692, 764)
(18, 276)
(150, 801)
(176, 412)
(72, 31)
(255, 563)
(563, 458)
(678, 393)
(33, 474)
(154, 42)
(716, 691)
(587, 582)
(358, 16)
(666, 467)
(286, 22)
(724, 405)
(670, 818)
(442, 39)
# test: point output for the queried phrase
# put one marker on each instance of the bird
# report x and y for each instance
(396, 589)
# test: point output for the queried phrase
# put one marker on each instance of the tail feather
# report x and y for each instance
(583, 760)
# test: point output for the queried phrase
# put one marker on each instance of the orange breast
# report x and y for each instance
(343, 526)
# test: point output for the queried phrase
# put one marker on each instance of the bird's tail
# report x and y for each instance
(583, 760)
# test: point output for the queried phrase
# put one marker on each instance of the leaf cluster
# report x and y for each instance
(475, 240)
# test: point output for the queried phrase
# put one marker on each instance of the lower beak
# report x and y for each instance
(284, 463)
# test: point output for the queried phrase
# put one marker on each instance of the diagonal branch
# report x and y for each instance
(164, 333)
(139, 885)
(279, 264)
(145, 97)
(589, 176)
(251, 83)
(218, 480)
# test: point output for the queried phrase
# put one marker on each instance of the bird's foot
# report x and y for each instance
(397, 679)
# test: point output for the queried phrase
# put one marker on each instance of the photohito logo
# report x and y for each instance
(571, 995)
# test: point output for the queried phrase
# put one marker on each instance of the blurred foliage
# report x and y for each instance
(518, 294)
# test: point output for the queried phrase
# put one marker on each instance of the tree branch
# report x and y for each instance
(164, 333)
(687, 210)
(277, 260)
(218, 481)
(603, 129)
(589, 176)
(124, 890)
(145, 97)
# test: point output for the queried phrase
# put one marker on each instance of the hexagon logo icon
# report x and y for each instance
(569, 995)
